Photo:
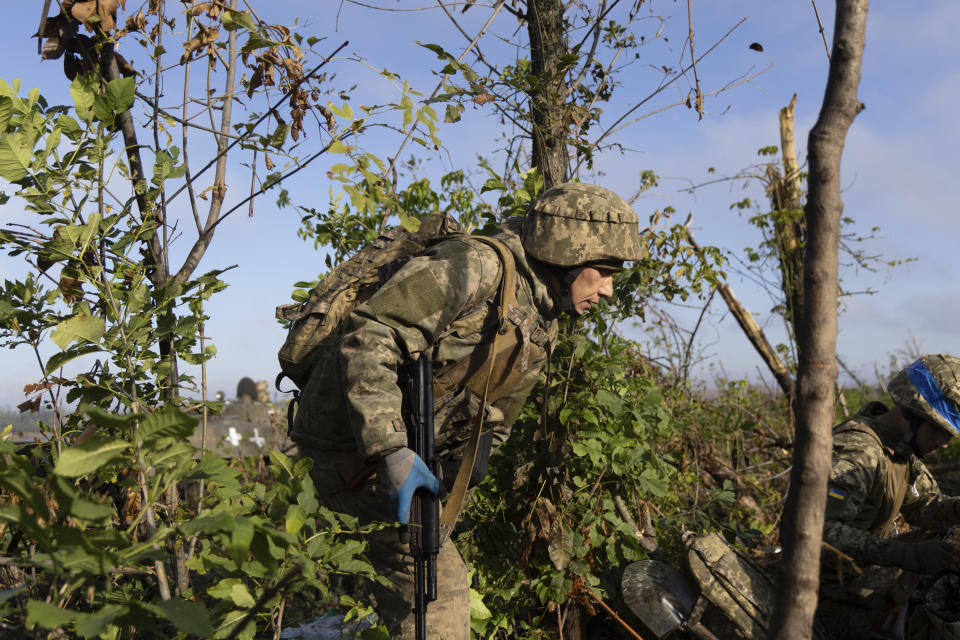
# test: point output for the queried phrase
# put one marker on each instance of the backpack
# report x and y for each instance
(316, 321)
(315, 332)
(732, 582)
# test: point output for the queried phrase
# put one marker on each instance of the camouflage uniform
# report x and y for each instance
(445, 303)
(875, 477)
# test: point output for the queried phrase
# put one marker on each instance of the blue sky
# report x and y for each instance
(898, 170)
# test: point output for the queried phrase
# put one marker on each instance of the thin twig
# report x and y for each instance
(597, 31)
(265, 597)
(614, 127)
(443, 79)
(253, 181)
(693, 60)
(820, 25)
(611, 612)
(300, 167)
(186, 97)
(265, 115)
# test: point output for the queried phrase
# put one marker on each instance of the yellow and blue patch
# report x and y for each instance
(833, 492)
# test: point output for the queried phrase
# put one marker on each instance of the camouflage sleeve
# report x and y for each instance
(855, 469)
(928, 508)
(401, 320)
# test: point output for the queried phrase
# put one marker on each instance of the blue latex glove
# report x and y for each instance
(401, 474)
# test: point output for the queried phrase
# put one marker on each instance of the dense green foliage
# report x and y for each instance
(116, 526)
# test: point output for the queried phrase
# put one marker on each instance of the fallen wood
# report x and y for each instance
(752, 330)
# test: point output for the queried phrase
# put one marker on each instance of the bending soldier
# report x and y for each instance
(877, 473)
(445, 303)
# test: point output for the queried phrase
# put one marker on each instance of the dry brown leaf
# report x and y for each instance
(255, 82)
(282, 31)
(33, 405)
(204, 37)
(51, 27)
(126, 69)
(220, 190)
(483, 98)
(136, 22)
(328, 116)
(216, 8)
(107, 9)
(52, 49)
(268, 162)
(293, 68)
(198, 9)
(83, 10)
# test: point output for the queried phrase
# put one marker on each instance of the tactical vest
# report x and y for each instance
(897, 481)
(518, 339)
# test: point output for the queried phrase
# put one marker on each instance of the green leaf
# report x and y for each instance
(25, 521)
(220, 521)
(233, 20)
(407, 105)
(6, 594)
(453, 113)
(57, 360)
(69, 126)
(15, 156)
(222, 589)
(47, 615)
(338, 147)
(437, 49)
(240, 540)
(478, 610)
(283, 460)
(6, 112)
(120, 94)
(241, 595)
(166, 423)
(84, 96)
(279, 136)
(102, 110)
(78, 505)
(90, 625)
(81, 327)
(108, 419)
(18, 482)
(493, 184)
(345, 111)
(295, 518)
(89, 456)
(190, 617)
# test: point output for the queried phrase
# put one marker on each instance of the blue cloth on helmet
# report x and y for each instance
(409, 478)
(922, 378)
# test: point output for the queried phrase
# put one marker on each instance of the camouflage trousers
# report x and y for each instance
(448, 617)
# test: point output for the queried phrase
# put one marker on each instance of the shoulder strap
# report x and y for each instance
(506, 297)
(506, 292)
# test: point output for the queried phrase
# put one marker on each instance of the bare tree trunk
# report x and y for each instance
(788, 221)
(547, 48)
(817, 333)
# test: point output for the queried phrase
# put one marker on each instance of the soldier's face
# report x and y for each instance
(930, 437)
(590, 286)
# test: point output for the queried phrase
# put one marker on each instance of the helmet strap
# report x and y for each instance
(915, 422)
(566, 300)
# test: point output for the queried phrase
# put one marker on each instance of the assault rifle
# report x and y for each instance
(425, 509)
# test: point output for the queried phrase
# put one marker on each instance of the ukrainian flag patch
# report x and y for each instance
(836, 493)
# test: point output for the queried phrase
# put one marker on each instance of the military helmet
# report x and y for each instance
(575, 224)
(930, 389)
